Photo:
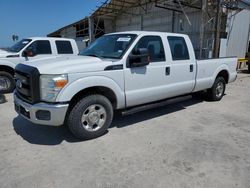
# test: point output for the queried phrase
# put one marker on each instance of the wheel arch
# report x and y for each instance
(96, 85)
(8, 69)
(107, 92)
(223, 73)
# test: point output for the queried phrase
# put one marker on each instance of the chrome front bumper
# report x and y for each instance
(41, 113)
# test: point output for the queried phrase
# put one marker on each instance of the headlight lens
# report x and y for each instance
(51, 85)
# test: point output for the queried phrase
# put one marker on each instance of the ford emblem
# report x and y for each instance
(19, 84)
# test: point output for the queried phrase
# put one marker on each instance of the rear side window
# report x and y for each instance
(64, 47)
(178, 48)
(40, 47)
(155, 47)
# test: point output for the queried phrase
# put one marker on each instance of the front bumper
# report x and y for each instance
(41, 113)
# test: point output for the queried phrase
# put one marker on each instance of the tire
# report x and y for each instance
(90, 117)
(217, 91)
(248, 66)
(7, 82)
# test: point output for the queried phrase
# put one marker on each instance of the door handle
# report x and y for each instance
(167, 71)
(191, 68)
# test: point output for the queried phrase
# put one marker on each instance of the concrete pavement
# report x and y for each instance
(192, 143)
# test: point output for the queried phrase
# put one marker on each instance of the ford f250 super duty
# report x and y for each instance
(118, 71)
(30, 49)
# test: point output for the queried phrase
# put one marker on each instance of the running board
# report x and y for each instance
(155, 105)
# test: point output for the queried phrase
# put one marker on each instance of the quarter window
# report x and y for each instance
(178, 48)
(155, 47)
(64, 47)
(40, 47)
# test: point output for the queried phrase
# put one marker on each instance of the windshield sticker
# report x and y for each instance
(25, 42)
(123, 39)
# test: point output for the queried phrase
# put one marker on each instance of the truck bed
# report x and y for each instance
(207, 69)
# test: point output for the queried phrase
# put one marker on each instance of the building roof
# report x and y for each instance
(244, 4)
(113, 8)
(72, 24)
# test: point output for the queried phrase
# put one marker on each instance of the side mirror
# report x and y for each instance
(28, 53)
(139, 58)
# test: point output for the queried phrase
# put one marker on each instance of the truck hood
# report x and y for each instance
(69, 64)
(4, 54)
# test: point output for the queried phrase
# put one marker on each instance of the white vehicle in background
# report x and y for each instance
(31, 49)
(2, 51)
(118, 71)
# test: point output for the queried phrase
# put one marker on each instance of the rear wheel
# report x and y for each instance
(217, 91)
(7, 82)
(90, 117)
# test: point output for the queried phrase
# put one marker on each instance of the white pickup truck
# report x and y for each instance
(30, 49)
(118, 71)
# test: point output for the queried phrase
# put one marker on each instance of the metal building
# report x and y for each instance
(238, 30)
(79, 31)
(209, 23)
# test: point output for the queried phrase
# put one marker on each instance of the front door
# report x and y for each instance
(146, 84)
(40, 48)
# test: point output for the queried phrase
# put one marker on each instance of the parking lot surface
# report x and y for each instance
(191, 143)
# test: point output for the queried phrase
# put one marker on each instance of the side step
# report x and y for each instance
(155, 105)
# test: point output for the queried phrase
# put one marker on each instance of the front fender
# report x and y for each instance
(7, 63)
(75, 87)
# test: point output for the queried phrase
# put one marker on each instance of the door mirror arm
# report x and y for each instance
(28, 53)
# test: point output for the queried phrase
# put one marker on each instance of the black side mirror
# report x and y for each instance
(139, 58)
(28, 53)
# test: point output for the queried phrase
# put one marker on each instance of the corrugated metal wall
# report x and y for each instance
(158, 19)
(69, 32)
(154, 20)
(238, 32)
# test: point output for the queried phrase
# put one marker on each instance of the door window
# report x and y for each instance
(64, 47)
(40, 47)
(155, 47)
(178, 48)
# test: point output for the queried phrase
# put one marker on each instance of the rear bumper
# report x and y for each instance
(41, 113)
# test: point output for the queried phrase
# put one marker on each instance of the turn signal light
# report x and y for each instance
(60, 83)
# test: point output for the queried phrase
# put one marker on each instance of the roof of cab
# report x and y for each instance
(49, 38)
(148, 33)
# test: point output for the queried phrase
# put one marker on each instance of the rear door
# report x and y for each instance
(63, 47)
(182, 65)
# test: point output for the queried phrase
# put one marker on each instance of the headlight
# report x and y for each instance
(51, 85)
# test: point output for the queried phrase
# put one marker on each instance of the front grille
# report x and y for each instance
(27, 83)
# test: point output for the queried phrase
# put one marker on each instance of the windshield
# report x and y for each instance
(19, 46)
(109, 46)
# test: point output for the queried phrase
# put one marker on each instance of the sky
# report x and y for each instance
(29, 18)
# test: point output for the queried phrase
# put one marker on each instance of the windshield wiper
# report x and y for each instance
(11, 50)
(94, 55)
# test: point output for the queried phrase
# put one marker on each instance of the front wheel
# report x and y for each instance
(217, 91)
(90, 117)
(7, 83)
